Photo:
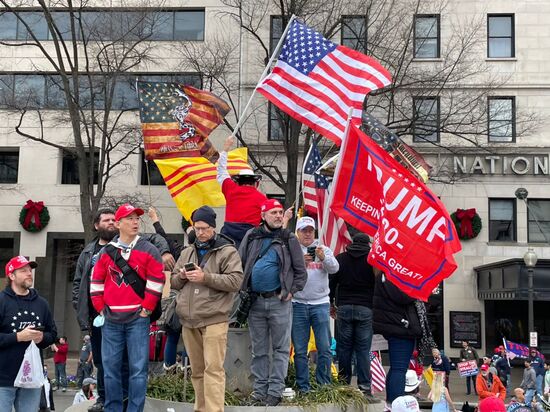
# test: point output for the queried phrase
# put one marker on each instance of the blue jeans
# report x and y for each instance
(170, 350)
(118, 337)
(354, 327)
(540, 381)
(269, 322)
(305, 317)
(529, 395)
(23, 399)
(61, 375)
(400, 351)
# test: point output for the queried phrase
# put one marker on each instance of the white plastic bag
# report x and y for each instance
(31, 373)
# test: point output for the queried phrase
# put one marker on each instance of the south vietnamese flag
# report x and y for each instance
(414, 236)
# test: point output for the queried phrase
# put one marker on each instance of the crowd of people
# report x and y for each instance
(288, 282)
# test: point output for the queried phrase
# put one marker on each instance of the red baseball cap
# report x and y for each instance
(484, 367)
(18, 262)
(126, 210)
(271, 204)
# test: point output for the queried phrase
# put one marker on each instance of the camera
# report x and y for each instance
(247, 299)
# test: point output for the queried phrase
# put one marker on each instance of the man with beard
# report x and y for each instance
(274, 270)
(104, 224)
(24, 317)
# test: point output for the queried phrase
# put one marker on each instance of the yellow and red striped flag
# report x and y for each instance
(176, 120)
(192, 182)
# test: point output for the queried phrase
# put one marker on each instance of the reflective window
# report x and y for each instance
(502, 220)
(30, 90)
(275, 32)
(426, 36)
(8, 26)
(425, 119)
(188, 25)
(354, 32)
(538, 228)
(36, 23)
(125, 95)
(500, 35)
(9, 165)
(55, 95)
(154, 172)
(501, 118)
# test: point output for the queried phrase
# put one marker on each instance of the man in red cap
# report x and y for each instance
(489, 385)
(243, 199)
(127, 283)
(24, 317)
(274, 270)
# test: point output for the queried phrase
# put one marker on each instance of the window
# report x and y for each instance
(7, 251)
(275, 32)
(425, 119)
(154, 172)
(502, 119)
(9, 165)
(278, 122)
(108, 24)
(538, 220)
(354, 32)
(502, 220)
(69, 168)
(500, 35)
(426, 36)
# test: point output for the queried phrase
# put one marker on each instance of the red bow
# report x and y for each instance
(466, 216)
(33, 213)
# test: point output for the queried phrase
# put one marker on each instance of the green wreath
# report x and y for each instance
(463, 232)
(34, 216)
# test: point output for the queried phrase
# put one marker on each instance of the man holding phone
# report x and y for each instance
(311, 307)
(207, 275)
(24, 317)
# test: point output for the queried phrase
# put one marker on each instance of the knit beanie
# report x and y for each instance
(204, 214)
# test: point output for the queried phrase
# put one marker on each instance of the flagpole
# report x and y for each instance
(267, 68)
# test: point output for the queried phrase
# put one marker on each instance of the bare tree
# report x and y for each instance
(459, 78)
(88, 57)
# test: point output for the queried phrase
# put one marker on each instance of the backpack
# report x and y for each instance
(169, 320)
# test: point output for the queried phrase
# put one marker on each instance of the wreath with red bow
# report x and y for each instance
(34, 216)
(467, 223)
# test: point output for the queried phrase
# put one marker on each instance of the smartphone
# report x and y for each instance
(311, 251)
(40, 328)
(189, 267)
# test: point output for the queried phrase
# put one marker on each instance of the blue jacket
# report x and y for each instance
(16, 313)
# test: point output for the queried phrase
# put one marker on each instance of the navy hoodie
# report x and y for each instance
(16, 313)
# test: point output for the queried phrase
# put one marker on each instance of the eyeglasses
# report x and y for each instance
(202, 229)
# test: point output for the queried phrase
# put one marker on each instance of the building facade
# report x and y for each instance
(480, 169)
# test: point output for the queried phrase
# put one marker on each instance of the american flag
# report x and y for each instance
(333, 231)
(377, 373)
(317, 82)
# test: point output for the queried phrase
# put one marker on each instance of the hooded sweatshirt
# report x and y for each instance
(16, 313)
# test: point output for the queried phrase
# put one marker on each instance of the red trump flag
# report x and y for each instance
(414, 237)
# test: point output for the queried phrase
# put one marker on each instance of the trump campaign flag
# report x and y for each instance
(192, 182)
(317, 82)
(176, 120)
(414, 238)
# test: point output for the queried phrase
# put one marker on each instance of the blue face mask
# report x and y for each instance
(99, 321)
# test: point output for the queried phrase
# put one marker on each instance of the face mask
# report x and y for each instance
(99, 321)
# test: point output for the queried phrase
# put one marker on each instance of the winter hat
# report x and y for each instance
(271, 204)
(89, 381)
(492, 404)
(405, 403)
(204, 214)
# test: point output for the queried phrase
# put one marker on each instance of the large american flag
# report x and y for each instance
(317, 82)
(333, 231)
(377, 373)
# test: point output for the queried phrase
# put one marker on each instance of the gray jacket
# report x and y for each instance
(82, 303)
(293, 274)
(529, 379)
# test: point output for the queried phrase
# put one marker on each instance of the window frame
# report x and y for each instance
(438, 36)
(529, 221)
(416, 119)
(512, 34)
(6, 151)
(363, 41)
(489, 120)
(514, 219)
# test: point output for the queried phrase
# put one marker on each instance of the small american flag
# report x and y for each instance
(377, 373)
(317, 82)
(333, 231)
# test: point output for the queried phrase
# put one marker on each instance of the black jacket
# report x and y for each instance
(16, 313)
(353, 284)
(82, 303)
(394, 313)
